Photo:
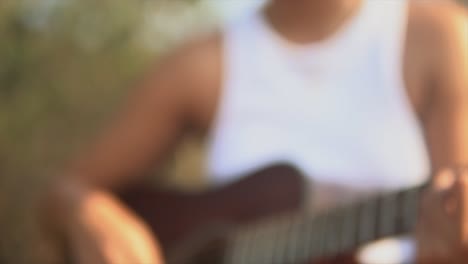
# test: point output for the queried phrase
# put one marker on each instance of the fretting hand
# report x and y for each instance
(442, 232)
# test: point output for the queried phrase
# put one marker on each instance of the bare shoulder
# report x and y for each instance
(193, 70)
(438, 28)
(203, 59)
(195, 56)
(438, 45)
(437, 24)
(196, 49)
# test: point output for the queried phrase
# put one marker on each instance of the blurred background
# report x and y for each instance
(64, 67)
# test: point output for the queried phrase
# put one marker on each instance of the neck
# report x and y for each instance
(304, 21)
(340, 230)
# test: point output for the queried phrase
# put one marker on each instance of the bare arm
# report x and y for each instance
(142, 133)
(160, 110)
(446, 121)
(442, 232)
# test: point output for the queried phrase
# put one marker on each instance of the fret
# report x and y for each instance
(349, 227)
(230, 252)
(279, 248)
(331, 240)
(410, 208)
(293, 240)
(268, 237)
(388, 214)
(251, 246)
(255, 244)
(237, 252)
(264, 245)
(265, 239)
(323, 234)
(305, 234)
(340, 223)
(367, 223)
(318, 233)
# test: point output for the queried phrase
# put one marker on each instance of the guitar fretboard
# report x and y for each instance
(299, 237)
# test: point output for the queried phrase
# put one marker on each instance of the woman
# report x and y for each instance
(353, 89)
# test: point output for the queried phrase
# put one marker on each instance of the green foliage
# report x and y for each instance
(56, 61)
(65, 64)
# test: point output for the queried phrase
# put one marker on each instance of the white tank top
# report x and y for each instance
(336, 109)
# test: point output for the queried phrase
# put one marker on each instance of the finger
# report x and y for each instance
(463, 204)
(116, 255)
(455, 199)
(444, 179)
(448, 187)
(460, 170)
(463, 175)
(451, 201)
(441, 194)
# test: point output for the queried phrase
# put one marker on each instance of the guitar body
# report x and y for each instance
(192, 228)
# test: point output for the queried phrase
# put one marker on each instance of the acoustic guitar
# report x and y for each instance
(261, 219)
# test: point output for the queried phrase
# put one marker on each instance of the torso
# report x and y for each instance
(415, 72)
(255, 82)
(415, 69)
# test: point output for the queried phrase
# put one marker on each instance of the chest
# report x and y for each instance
(339, 116)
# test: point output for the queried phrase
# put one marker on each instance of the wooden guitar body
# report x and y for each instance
(196, 227)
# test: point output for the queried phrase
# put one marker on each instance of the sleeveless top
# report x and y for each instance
(336, 109)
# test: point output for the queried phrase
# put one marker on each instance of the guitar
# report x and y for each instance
(262, 218)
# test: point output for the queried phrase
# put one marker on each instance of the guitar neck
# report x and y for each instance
(298, 237)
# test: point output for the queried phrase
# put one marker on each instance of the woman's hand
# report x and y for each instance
(104, 231)
(442, 232)
(97, 227)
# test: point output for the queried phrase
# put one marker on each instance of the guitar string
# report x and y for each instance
(374, 220)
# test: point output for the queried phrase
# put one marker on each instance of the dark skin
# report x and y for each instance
(180, 95)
